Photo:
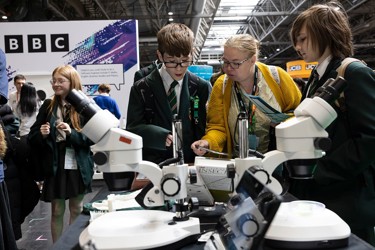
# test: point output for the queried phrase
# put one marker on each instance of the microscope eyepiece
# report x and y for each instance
(331, 89)
(82, 104)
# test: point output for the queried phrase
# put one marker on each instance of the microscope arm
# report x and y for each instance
(274, 158)
(121, 151)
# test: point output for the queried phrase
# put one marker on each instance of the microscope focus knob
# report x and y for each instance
(231, 171)
(193, 175)
(170, 185)
(193, 204)
(248, 225)
(323, 143)
(235, 200)
(261, 174)
(100, 158)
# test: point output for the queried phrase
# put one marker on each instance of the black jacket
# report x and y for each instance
(154, 134)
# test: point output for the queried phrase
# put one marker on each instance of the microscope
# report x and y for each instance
(300, 137)
(117, 150)
(256, 211)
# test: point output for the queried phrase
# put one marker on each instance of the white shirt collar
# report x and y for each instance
(167, 79)
(321, 68)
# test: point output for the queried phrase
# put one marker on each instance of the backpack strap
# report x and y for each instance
(274, 73)
(344, 64)
(193, 83)
(145, 71)
(340, 102)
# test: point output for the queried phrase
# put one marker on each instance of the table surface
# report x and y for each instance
(70, 238)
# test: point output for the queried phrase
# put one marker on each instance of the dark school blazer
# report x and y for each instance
(46, 148)
(154, 134)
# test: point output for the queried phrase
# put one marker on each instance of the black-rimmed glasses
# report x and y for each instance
(233, 65)
(175, 64)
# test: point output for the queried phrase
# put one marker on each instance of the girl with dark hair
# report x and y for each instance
(344, 179)
(27, 108)
(23, 191)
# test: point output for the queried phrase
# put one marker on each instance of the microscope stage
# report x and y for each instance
(137, 229)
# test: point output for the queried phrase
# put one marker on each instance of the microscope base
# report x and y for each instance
(137, 229)
(306, 225)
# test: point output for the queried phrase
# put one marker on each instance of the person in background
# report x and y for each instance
(244, 76)
(175, 52)
(64, 152)
(344, 179)
(7, 239)
(14, 97)
(146, 70)
(300, 83)
(11, 123)
(41, 94)
(104, 101)
(7, 235)
(27, 109)
(216, 75)
(23, 191)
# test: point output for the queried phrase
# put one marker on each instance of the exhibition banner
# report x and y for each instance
(103, 51)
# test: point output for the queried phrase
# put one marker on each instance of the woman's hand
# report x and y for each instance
(198, 145)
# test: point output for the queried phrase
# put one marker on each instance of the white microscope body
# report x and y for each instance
(300, 137)
(117, 150)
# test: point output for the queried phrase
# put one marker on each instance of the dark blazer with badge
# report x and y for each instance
(46, 148)
(344, 179)
(154, 133)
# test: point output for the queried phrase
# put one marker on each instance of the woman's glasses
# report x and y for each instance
(233, 65)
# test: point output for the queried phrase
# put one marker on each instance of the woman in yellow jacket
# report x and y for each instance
(245, 77)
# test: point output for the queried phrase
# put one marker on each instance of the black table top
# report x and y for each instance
(70, 238)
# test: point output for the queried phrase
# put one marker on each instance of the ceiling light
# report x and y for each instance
(170, 19)
(170, 13)
(4, 17)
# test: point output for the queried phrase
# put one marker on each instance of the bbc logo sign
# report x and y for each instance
(36, 43)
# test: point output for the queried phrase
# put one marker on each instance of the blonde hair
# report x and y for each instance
(3, 143)
(70, 73)
(244, 42)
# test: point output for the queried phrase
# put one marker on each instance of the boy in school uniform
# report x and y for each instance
(153, 102)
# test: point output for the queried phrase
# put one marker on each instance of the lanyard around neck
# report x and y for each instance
(253, 92)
